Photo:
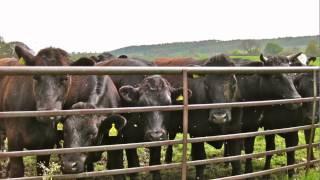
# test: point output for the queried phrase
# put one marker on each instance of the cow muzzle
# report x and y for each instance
(72, 166)
(219, 117)
(156, 135)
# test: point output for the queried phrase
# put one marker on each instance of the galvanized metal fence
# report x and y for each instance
(185, 107)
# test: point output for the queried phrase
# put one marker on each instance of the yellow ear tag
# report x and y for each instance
(180, 98)
(60, 126)
(22, 61)
(113, 131)
(195, 76)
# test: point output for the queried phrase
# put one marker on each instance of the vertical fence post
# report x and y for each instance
(310, 147)
(185, 125)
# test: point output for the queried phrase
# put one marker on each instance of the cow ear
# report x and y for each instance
(263, 58)
(129, 93)
(110, 127)
(84, 61)
(177, 95)
(25, 56)
(311, 59)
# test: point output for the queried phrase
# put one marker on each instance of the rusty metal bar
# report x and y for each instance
(310, 148)
(265, 172)
(174, 165)
(12, 114)
(107, 172)
(248, 134)
(102, 70)
(148, 144)
(246, 156)
(185, 126)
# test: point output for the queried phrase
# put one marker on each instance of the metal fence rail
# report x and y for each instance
(185, 107)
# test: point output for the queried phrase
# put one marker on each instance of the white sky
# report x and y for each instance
(102, 25)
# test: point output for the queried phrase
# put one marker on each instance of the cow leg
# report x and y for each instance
(16, 166)
(291, 140)
(226, 154)
(270, 145)
(307, 135)
(45, 161)
(248, 147)
(198, 152)
(234, 148)
(155, 155)
(115, 161)
(133, 161)
(169, 150)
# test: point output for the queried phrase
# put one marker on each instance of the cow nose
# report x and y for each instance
(218, 117)
(156, 135)
(70, 167)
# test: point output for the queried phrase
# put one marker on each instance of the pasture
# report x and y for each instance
(215, 170)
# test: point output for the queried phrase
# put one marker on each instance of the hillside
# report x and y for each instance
(203, 49)
(196, 49)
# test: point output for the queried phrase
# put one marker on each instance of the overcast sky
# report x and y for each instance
(103, 25)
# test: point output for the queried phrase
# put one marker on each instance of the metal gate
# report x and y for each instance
(185, 108)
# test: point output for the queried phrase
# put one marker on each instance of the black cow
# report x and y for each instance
(211, 88)
(277, 116)
(141, 90)
(90, 130)
(82, 130)
(264, 87)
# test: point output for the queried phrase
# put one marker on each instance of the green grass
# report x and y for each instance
(212, 170)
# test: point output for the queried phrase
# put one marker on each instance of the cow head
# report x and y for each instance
(152, 91)
(219, 88)
(304, 84)
(280, 85)
(84, 130)
(300, 59)
(50, 91)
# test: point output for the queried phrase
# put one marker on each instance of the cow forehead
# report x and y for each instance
(154, 83)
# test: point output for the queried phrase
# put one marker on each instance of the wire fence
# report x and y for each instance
(186, 107)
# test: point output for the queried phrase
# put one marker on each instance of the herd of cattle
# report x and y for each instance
(48, 92)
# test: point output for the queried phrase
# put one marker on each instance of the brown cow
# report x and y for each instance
(21, 93)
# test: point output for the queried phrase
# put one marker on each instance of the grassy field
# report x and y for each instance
(214, 170)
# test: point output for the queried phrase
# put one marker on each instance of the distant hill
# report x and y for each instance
(196, 49)
(204, 49)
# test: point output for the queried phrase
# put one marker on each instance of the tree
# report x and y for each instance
(313, 49)
(272, 49)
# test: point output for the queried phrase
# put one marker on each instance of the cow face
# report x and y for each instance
(304, 84)
(50, 91)
(152, 91)
(220, 88)
(82, 131)
(278, 86)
